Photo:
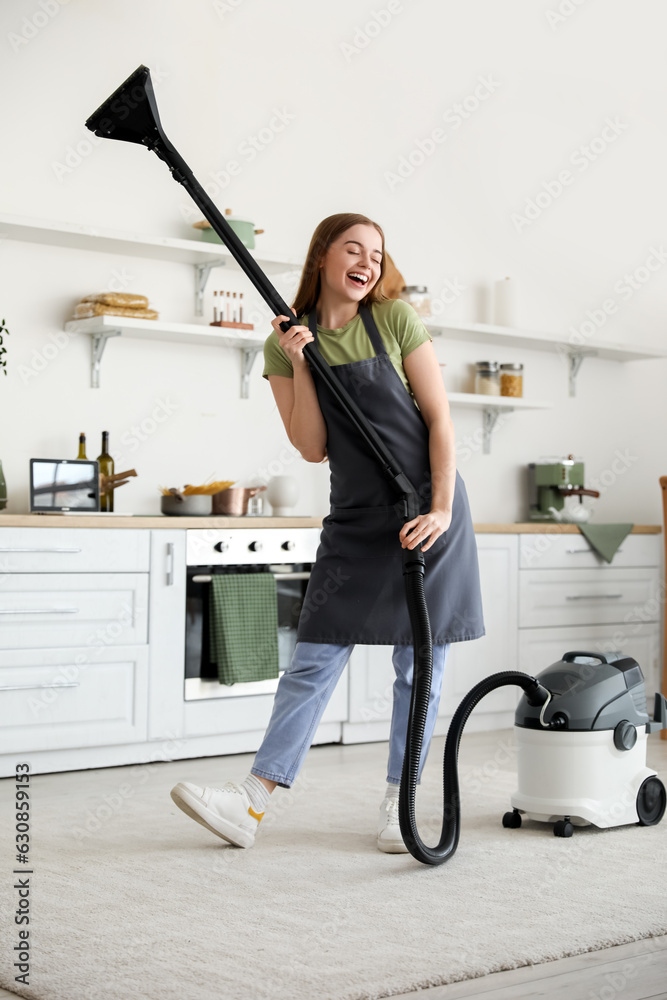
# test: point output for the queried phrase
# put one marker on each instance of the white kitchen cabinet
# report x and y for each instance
(49, 610)
(372, 671)
(583, 596)
(83, 696)
(571, 599)
(73, 643)
(73, 550)
(166, 635)
(471, 662)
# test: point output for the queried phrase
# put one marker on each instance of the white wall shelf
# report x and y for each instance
(101, 328)
(504, 336)
(203, 256)
(492, 407)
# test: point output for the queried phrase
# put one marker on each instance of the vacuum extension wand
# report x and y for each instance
(131, 115)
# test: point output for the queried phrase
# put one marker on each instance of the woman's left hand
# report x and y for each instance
(435, 523)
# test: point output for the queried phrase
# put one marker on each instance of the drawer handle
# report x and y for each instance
(576, 552)
(39, 611)
(4, 548)
(206, 578)
(587, 597)
(170, 564)
(23, 687)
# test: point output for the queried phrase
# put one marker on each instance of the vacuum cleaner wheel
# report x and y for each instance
(563, 828)
(651, 801)
(512, 820)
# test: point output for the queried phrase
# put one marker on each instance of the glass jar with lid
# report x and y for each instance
(511, 380)
(487, 378)
(418, 297)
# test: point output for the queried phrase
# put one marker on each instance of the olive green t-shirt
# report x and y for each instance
(399, 326)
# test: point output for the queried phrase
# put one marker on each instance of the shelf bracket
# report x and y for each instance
(490, 417)
(202, 272)
(99, 342)
(249, 355)
(575, 358)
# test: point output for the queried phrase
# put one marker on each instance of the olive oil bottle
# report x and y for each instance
(106, 468)
(82, 446)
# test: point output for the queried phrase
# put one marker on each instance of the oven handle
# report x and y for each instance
(206, 578)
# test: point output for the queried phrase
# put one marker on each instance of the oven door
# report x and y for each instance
(201, 676)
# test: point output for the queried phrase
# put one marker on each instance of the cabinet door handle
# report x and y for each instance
(39, 611)
(588, 597)
(170, 564)
(576, 552)
(23, 687)
(10, 548)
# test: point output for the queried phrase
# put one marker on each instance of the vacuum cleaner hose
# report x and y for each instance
(421, 689)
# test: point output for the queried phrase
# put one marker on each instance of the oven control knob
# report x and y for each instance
(221, 546)
(288, 545)
(255, 546)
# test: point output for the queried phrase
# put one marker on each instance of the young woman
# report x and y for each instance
(383, 355)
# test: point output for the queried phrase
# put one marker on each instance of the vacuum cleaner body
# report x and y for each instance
(582, 756)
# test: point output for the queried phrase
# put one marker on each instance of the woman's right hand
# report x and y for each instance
(294, 340)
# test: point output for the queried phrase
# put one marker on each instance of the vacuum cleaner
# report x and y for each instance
(131, 115)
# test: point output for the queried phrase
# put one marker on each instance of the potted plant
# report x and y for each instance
(3, 365)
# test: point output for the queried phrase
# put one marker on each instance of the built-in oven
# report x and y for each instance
(287, 553)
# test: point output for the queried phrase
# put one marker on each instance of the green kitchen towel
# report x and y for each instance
(605, 538)
(243, 626)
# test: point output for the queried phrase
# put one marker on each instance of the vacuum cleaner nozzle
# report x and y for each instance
(130, 113)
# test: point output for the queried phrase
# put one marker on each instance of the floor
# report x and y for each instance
(634, 971)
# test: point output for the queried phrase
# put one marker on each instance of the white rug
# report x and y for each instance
(151, 905)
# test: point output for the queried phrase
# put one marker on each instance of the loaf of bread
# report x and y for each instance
(84, 310)
(121, 299)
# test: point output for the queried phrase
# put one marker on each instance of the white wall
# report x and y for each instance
(359, 104)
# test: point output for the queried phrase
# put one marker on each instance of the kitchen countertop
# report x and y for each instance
(254, 521)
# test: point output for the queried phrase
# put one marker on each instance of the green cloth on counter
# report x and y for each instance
(243, 626)
(605, 538)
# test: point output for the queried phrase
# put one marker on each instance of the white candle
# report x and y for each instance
(504, 303)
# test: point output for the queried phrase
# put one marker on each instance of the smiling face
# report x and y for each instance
(352, 264)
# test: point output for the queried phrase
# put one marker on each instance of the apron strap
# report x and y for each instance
(369, 324)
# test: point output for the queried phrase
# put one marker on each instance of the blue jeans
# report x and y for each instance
(303, 692)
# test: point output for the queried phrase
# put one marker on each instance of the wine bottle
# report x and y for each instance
(106, 468)
(82, 446)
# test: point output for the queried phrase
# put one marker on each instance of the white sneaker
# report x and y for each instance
(225, 811)
(389, 832)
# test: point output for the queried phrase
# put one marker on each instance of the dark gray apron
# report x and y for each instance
(356, 592)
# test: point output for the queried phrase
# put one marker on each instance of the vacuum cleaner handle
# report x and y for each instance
(131, 114)
(571, 656)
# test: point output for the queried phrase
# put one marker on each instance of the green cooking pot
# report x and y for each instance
(244, 230)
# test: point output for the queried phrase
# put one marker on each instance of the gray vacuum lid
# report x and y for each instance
(589, 691)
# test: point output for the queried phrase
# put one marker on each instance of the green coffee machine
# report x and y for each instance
(551, 482)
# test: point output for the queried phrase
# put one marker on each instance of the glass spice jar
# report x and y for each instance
(487, 378)
(418, 297)
(511, 380)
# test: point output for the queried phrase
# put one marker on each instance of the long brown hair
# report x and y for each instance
(327, 233)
